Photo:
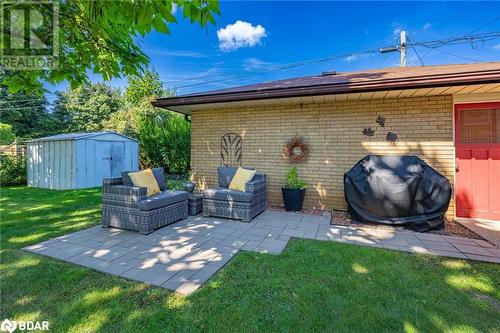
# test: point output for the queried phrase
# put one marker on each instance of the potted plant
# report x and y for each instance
(190, 184)
(294, 191)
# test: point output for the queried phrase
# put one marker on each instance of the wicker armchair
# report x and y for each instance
(128, 207)
(223, 202)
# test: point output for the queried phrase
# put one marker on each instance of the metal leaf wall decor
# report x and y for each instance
(380, 121)
(368, 131)
(231, 149)
(391, 137)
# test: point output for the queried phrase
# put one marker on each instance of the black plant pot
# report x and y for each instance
(293, 198)
(188, 186)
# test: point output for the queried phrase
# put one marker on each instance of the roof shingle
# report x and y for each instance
(360, 81)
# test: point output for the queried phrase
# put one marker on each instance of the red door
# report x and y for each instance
(477, 144)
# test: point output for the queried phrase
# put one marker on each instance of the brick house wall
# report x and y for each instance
(333, 132)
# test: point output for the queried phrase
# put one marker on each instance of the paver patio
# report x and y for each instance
(184, 255)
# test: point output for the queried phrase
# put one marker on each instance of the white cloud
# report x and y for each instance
(351, 58)
(240, 34)
(178, 53)
(252, 64)
(497, 47)
(174, 9)
(396, 28)
(354, 57)
(426, 26)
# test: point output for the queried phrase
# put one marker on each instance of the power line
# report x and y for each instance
(463, 39)
(484, 25)
(448, 20)
(415, 50)
(458, 56)
(455, 40)
(286, 66)
(433, 44)
(467, 38)
(42, 99)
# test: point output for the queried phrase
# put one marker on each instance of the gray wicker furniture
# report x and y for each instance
(195, 203)
(128, 207)
(223, 202)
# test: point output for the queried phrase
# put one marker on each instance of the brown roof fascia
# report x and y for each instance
(426, 81)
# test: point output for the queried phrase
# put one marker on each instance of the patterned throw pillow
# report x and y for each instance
(145, 179)
(241, 177)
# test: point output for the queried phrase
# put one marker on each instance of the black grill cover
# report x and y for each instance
(397, 190)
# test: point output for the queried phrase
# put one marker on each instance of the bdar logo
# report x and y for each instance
(8, 326)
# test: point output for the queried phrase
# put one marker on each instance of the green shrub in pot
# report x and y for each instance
(294, 191)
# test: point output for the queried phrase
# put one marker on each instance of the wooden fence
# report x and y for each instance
(15, 149)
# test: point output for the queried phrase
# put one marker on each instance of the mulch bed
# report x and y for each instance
(451, 228)
(456, 229)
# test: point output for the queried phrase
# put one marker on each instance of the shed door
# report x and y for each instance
(102, 162)
(117, 155)
(477, 140)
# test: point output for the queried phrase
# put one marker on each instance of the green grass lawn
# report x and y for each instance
(311, 286)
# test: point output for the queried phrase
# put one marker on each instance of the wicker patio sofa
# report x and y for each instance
(223, 202)
(128, 207)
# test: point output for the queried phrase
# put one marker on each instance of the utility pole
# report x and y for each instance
(402, 47)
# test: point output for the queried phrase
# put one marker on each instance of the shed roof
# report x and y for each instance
(340, 83)
(78, 136)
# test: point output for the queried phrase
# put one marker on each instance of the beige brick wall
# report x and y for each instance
(333, 132)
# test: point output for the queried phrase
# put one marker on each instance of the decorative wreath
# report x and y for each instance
(295, 150)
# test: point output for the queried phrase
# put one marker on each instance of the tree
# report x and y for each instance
(27, 114)
(126, 120)
(6, 134)
(140, 92)
(165, 141)
(86, 108)
(165, 137)
(147, 85)
(100, 36)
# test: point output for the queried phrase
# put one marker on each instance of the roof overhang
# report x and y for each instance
(417, 84)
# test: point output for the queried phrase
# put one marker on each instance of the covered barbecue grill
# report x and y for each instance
(397, 190)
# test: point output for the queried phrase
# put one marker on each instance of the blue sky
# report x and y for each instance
(193, 59)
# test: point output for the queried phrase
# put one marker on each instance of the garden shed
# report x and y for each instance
(79, 160)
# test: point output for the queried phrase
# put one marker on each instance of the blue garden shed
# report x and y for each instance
(79, 160)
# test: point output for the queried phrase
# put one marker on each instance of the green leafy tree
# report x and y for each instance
(148, 85)
(6, 134)
(127, 119)
(140, 92)
(86, 108)
(165, 140)
(27, 114)
(165, 137)
(100, 36)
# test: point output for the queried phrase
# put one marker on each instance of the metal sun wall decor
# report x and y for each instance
(390, 137)
(295, 150)
(231, 149)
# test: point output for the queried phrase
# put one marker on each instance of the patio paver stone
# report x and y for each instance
(184, 255)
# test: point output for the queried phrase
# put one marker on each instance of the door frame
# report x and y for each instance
(465, 105)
